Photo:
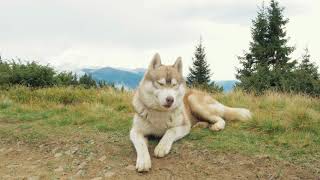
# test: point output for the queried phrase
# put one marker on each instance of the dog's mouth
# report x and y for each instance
(167, 106)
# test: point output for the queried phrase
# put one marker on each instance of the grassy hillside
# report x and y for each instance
(284, 128)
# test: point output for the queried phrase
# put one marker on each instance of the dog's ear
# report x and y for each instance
(155, 62)
(178, 65)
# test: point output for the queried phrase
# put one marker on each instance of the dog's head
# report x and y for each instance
(163, 86)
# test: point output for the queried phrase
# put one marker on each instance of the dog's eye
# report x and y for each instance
(175, 86)
(160, 83)
(157, 85)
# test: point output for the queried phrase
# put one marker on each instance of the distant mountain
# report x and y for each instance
(127, 77)
(130, 78)
(227, 85)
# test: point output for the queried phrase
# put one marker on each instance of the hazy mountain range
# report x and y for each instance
(130, 78)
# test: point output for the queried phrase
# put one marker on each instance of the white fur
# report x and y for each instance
(140, 143)
(174, 82)
(156, 98)
(162, 81)
(153, 119)
(244, 114)
(218, 107)
(162, 95)
(169, 137)
(169, 125)
(219, 125)
(173, 123)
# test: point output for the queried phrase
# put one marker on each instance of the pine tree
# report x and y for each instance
(278, 50)
(87, 81)
(259, 36)
(267, 65)
(75, 81)
(307, 66)
(306, 77)
(199, 72)
(102, 84)
(254, 62)
(199, 75)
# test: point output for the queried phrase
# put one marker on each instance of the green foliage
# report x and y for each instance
(66, 79)
(278, 50)
(211, 88)
(35, 75)
(5, 72)
(308, 67)
(254, 62)
(199, 72)
(102, 84)
(305, 78)
(87, 81)
(199, 75)
(267, 65)
(30, 74)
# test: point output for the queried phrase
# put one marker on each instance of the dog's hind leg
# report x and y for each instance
(217, 124)
(208, 110)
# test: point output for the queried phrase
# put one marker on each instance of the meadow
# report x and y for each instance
(77, 132)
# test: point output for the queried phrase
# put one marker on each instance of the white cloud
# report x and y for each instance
(72, 34)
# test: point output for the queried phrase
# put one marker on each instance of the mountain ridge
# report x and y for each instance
(130, 78)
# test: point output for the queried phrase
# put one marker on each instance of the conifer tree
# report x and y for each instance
(255, 61)
(309, 67)
(305, 77)
(278, 50)
(267, 65)
(200, 71)
(87, 81)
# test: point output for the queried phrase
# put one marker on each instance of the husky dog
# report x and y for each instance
(165, 107)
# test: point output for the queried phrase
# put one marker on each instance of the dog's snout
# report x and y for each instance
(170, 100)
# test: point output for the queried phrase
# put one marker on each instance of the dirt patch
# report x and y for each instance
(93, 158)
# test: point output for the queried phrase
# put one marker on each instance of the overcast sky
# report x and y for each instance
(71, 34)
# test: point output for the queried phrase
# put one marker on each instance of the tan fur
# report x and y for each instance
(201, 105)
(154, 116)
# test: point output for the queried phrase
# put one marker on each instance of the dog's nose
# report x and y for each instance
(169, 100)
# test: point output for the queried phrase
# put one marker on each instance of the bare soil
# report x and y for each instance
(101, 157)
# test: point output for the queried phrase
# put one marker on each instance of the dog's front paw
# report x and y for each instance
(162, 149)
(143, 163)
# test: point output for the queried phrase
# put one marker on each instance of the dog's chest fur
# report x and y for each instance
(158, 122)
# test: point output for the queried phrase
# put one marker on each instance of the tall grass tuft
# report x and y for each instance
(5, 102)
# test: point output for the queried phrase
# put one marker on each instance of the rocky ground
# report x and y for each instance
(96, 159)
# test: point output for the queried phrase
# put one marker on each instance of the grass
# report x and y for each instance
(284, 126)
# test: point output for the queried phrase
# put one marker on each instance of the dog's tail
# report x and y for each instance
(208, 109)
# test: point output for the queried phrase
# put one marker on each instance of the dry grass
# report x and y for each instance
(284, 126)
